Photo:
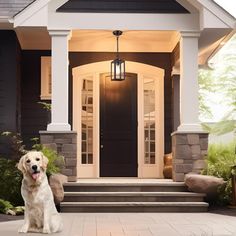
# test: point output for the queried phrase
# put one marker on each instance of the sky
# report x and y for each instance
(229, 5)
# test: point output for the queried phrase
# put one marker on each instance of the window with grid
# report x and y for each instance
(149, 121)
(87, 121)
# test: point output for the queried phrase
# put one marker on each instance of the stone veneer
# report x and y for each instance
(188, 150)
(65, 144)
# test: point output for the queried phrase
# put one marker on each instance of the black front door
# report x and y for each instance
(118, 126)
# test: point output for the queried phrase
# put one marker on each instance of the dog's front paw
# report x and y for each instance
(46, 231)
(23, 229)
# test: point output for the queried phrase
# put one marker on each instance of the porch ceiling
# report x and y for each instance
(102, 40)
(131, 41)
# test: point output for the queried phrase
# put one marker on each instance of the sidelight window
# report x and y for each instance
(149, 121)
(87, 117)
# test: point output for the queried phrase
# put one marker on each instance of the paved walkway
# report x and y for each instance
(138, 224)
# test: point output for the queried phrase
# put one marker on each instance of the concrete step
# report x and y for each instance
(125, 187)
(133, 197)
(134, 207)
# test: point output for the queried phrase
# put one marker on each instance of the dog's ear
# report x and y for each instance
(21, 164)
(44, 162)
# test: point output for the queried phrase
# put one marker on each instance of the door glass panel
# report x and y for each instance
(149, 121)
(87, 121)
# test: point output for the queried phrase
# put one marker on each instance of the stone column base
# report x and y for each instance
(189, 150)
(65, 144)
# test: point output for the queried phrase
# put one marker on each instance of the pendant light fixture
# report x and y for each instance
(117, 65)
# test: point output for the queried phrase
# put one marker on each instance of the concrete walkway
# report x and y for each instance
(138, 224)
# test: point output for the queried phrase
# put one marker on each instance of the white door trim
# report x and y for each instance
(142, 71)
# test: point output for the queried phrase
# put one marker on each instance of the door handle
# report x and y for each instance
(101, 146)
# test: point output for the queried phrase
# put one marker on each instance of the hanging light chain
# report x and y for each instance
(117, 46)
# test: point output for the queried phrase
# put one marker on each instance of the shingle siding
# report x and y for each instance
(8, 8)
(10, 54)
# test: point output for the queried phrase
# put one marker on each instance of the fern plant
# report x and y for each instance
(220, 160)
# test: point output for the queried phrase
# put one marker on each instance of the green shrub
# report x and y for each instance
(17, 149)
(55, 161)
(10, 182)
(220, 160)
(11, 177)
(5, 206)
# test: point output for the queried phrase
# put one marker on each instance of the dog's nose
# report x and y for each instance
(34, 167)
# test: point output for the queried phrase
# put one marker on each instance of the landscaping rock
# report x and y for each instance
(56, 182)
(204, 184)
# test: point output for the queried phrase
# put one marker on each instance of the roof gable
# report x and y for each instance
(123, 6)
(209, 12)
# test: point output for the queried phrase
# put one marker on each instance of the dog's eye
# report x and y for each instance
(28, 161)
(37, 159)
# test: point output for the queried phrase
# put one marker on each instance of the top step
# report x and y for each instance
(125, 187)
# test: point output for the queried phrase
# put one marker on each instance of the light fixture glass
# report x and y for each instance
(117, 65)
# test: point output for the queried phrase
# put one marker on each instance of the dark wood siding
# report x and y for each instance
(162, 60)
(34, 118)
(9, 85)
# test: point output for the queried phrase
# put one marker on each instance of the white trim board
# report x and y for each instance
(142, 71)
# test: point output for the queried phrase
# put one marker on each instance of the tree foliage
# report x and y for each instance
(220, 79)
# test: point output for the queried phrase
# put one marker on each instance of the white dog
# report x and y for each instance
(40, 212)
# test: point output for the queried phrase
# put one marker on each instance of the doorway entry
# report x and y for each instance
(118, 126)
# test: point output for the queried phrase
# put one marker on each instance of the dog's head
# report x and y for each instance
(33, 164)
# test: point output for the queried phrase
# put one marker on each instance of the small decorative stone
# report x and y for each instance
(69, 154)
(199, 164)
(173, 140)
(183, 168)
(204, 152)
(67, 172)
(183, 152)
(196, 150)
(68, 148)
(188, 161)
(71, 162)
(178, 161)
(74, 140)
(52, 146)
(45, 139)
(204, 143)
(193, 139)
(181, 139)
(196, 156)
(62, 141)
(178, 177)
(74, 171)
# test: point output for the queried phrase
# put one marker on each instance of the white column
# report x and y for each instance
(189, 106)
(59, 113)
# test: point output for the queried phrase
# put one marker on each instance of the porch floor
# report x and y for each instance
(138, 224)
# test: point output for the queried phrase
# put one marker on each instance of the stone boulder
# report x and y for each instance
(56, 182)
(204, 184)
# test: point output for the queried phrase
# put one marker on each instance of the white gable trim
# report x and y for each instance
(43, 13)
(33, 15)
(222, 15)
